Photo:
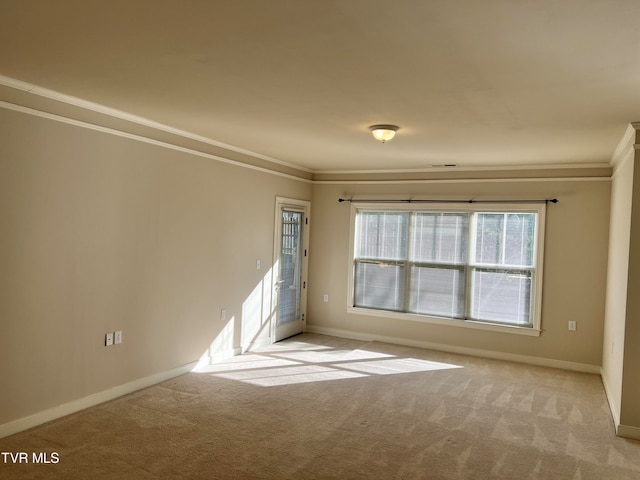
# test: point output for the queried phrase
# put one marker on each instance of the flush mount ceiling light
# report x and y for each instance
(383, 133)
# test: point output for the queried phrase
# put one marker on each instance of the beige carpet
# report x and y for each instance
(318, 407)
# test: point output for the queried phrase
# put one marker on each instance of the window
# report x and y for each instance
(480, 264)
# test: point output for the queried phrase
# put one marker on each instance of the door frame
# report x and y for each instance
(304, 207)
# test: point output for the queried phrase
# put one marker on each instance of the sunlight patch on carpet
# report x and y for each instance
(397, 365)
(333, 356)
(314, 366)
(245, 362)
(289, 375)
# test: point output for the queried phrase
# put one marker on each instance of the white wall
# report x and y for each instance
(104, 233)
(617, 277)
(630, 402)
(574, 269)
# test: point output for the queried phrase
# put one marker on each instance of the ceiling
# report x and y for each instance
(490, 83)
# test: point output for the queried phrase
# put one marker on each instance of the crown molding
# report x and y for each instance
(145, 122)
(143, 139)
(578, 172)
(457, 168)
(626, 147)
(463, 180)
(231, 154)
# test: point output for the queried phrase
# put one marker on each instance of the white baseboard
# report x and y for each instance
(611, 401)
(219, 356)
(222, 355)
(262, 342)
(628, 432)
(511, 357)
(59, 411)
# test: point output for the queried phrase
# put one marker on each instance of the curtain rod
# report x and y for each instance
(351, 200)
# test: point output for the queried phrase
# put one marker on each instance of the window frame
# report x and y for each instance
(534, 329)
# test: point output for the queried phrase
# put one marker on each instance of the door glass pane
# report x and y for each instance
(290, 268)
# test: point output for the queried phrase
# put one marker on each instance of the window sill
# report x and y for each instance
(450, 322)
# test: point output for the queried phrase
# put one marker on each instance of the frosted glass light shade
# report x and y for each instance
(383, 133)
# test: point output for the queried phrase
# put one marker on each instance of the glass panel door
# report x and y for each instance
(290, 281)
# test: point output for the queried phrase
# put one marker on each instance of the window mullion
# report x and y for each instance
(503, 247)
(471, 253)
(407, 264)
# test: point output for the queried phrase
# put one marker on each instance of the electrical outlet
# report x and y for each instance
(117, 337)
(325, 298)
(572, 325)
(108, 339)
